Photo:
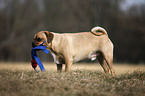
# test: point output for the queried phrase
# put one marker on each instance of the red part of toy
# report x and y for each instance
(34, 63)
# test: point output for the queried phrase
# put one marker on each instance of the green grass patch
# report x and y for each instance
(74, 83)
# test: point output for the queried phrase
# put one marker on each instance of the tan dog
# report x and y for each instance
(67, 48)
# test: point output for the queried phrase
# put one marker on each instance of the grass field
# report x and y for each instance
(19, 79)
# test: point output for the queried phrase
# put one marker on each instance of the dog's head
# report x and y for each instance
(42, 36)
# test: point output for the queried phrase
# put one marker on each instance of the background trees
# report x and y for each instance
(21, 19)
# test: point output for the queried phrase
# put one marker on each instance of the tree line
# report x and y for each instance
(21, 19)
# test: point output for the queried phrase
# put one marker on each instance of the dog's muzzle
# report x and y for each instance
(33, 45)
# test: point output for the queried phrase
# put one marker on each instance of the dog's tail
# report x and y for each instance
(98, 31)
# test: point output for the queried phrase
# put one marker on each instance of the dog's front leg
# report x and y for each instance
(59, 67)
(68, 63)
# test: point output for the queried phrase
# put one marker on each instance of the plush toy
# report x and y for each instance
(35, 59)
(34, 63)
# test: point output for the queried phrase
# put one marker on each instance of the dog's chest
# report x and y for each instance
(58, 59)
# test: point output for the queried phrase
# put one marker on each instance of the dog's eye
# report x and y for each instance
(39, 39)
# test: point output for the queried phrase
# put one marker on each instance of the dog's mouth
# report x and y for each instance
(35, 45)
(38, 44)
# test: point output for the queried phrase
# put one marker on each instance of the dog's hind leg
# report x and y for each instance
(109, 60)
(102, 62)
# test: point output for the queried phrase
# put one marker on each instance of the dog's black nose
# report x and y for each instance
(33, 45)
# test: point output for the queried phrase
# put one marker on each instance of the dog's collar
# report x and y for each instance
(35, 57)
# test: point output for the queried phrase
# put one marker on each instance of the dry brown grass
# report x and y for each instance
(119, 68)
(19, 79)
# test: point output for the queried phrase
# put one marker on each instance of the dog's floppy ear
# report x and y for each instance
(49, 36)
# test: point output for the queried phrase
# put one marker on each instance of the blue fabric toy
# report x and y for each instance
(35, 59)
